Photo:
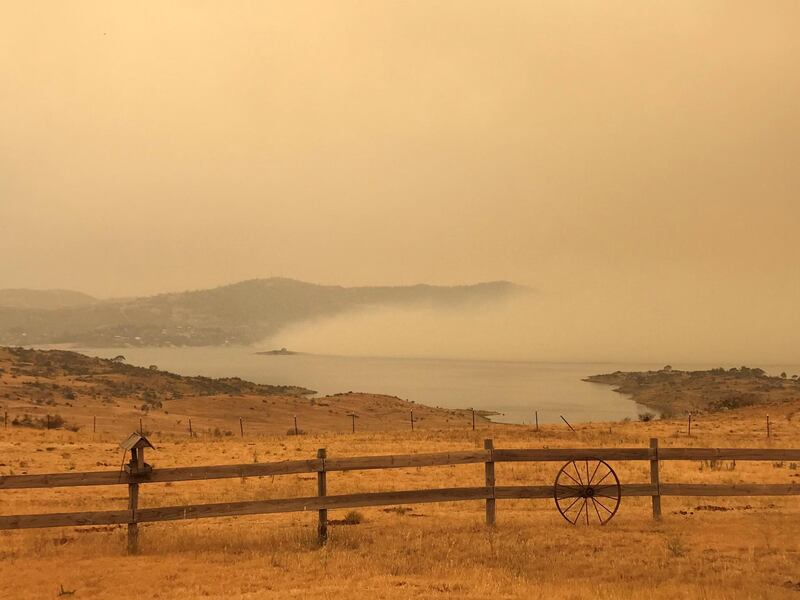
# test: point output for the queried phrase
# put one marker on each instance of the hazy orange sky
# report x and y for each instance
(635, 161)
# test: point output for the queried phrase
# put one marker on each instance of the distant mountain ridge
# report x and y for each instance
(240, 313)
(44, 299)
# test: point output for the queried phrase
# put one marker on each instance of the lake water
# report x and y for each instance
(513, 389)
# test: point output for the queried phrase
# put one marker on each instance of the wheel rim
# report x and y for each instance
(587, 492)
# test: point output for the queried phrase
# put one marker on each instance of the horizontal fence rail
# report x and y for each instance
(288, 467)
(728, 454)
(359, 463)
(313, 503)
(323, 502)
(567, 454)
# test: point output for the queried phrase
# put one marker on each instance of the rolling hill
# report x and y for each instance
(241, 313)
(58, 389)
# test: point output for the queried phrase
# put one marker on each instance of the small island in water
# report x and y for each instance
(281, 352)
(673, 392)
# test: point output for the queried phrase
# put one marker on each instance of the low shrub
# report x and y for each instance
(353, 517)
(46, 422)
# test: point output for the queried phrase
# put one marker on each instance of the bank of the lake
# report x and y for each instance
(515, 390)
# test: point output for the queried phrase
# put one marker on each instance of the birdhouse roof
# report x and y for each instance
(136, 440)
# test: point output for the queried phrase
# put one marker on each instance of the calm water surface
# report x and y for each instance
(513, 389)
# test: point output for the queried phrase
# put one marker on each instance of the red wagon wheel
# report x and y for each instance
(587, 491)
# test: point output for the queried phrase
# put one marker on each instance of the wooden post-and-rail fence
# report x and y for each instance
(139, 473)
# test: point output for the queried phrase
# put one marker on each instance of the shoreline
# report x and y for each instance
(674, 392)
(508, 392)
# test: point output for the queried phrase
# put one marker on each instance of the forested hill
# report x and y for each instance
(240, 313)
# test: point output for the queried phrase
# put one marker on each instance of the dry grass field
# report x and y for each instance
(710, 548)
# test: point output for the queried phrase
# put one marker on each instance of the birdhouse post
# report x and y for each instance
(136, 469)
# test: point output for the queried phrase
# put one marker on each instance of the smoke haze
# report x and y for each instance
(635, 162)
(640, 329)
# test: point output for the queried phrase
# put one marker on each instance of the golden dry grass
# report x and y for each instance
(749, 550)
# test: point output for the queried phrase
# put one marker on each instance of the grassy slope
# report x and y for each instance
(711, 548)
(81, 388)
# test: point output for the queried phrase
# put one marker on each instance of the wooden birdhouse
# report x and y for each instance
(136, 443)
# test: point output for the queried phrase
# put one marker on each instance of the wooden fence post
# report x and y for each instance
(134, 466)
(133, 526)
(655, 479)
(322, 490)
(490, 502)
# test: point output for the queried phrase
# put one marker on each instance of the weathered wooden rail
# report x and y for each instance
(322, 465)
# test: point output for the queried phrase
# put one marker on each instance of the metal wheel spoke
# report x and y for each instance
(599, 518)
(580, 510)
(565, 497)
(602, 487)
(603, 505)
(606, 496)
(571, 477)
(574, 502)
(571, 491)
(597, 466)
(577, 472)
(604, 476)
